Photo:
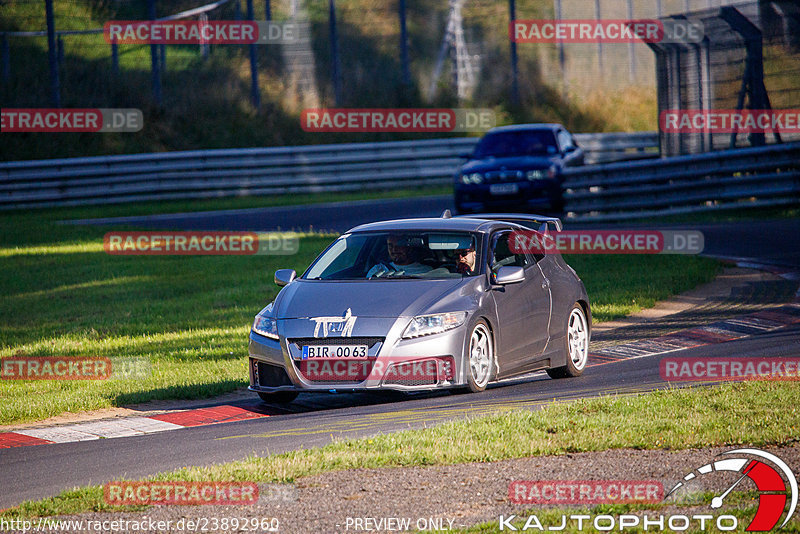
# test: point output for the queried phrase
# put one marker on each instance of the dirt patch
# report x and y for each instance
(459, 496)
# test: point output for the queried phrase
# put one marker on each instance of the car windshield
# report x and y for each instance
(399, 256)
(521, 143)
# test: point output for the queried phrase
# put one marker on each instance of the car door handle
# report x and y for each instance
(546, 283)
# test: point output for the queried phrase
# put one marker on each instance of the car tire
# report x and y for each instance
(479, 357)
(576, 345)
(279, 397)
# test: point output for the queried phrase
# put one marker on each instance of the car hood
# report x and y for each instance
(373, 298)
(515, 163)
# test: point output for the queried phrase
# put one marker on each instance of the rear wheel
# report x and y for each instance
(577, 345)
(480, 357)
(279, 397)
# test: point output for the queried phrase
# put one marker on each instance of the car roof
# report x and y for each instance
(526, 127)
(463, 224)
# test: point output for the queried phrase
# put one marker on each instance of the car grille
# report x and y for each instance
(267, 375)
(504, 176)
(420, 373)
(335, 371)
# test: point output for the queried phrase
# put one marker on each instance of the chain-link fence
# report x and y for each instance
(748, 60)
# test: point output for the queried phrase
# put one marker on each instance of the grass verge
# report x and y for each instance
(729, 414)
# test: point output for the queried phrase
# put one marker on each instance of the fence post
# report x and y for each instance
(162, 59)
(267, 11)
(55, 88)
(404, 43)
(115, 58)
(562, 60)
(204, 47)
(254, 94)
(60, 48)
(154, 69)
(512, 15)
(237, 10)
(631, 47)
(6, 60)
(597, 16)
(337, 85)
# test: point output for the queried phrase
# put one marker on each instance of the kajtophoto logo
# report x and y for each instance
(774, 480)
(741, 469)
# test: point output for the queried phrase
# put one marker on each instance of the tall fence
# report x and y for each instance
(217, 173)
(749, 58)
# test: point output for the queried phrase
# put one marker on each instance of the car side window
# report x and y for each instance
(502, 256)
(565, 140)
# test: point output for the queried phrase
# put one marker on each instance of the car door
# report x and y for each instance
(523, 309)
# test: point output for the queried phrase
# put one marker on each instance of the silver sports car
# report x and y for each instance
(422, 304)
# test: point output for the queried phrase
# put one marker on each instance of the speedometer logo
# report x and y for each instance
(774, 480)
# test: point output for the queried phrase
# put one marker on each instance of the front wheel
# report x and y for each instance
(480, 357)
(279, 397)
(577, 345)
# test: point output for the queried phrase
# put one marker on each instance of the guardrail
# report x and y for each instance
(723, 180)
(260, 171)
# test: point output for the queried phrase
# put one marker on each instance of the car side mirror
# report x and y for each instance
(509, 274)
(284, 277)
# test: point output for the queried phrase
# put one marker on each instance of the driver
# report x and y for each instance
(465, 260)
(404, 259)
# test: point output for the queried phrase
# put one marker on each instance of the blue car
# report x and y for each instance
(517, 168)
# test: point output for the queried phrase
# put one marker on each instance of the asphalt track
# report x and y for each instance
(768, 241)
(314, 420)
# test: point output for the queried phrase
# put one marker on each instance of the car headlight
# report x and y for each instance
(472, 178)
(424, 325)
(265, 325)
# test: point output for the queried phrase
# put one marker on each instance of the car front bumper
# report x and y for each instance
(424, 363)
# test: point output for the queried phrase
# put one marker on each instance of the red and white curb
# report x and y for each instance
(126, 427)
(719, 332)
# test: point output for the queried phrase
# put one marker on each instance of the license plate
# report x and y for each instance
(334, 351)
(503, 189)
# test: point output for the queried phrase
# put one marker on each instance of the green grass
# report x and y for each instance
(730, 414)
(189, 316)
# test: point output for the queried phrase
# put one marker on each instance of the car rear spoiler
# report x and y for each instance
(534, 222)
